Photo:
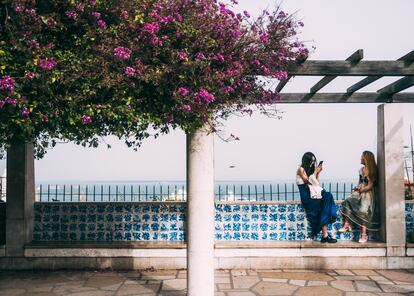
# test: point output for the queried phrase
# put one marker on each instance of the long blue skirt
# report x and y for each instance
(319, 212)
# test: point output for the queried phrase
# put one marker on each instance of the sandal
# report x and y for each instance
(344, 229)
(363, 240)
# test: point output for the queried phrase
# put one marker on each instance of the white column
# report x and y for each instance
(200, 213)
(390, 157)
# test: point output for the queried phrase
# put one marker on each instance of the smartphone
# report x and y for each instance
(320, 163)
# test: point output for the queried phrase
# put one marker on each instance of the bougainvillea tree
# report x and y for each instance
(79, 70)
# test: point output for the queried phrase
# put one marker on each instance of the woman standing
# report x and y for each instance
(320, 210)
(360, 207)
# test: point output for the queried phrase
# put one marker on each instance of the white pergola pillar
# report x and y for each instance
(200, 213)
(390, 157)
(20, 198)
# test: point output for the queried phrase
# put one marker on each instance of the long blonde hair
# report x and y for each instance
(370, 165)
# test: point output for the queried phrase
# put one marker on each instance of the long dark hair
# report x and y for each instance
(307, 164)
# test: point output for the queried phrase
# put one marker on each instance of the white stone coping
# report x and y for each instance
(222, 249)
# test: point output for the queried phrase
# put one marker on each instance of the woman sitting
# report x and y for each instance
(360, 207)
(319, 205)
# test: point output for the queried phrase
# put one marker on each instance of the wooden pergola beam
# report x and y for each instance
(346, 68)
(354, 59)
(369, 97)
(398, 85)
(408, 58)
(360, 84)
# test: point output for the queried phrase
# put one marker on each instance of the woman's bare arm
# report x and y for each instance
(301, 172)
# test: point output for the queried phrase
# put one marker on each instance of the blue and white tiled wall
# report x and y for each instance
(109, 222)
(409, 218)
(283, 222)
(166, 222)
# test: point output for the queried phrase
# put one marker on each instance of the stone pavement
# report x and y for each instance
(228, 283)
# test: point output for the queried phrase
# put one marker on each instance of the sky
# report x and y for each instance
(271, 149)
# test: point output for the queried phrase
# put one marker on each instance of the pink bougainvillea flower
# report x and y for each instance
(129, 71)
(86, 119)
(7, 83)
(11, 101)
(124, 15)
(199, 56)
(183, 91)
(45, 118)
(47, 64)
(219, 58)
(301, 24)
(122, 52)
(25, 112)
(18, 8)
(182, 55)
(281, 75)
(72, 14)
(96, 15)
(186, 107)
(101, 24)
(204, 97)
(80, 6)
(33, 44)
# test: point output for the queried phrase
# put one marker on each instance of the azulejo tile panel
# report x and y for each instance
(409, 219)
(109, 222)
(258, 222)
(166, 222)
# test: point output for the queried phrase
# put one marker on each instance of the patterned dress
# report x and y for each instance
(362, 208)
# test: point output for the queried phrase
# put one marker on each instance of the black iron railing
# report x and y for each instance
(132, 192)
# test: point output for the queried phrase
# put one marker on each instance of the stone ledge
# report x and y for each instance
(107, 245)
(222, 249)
(296, 244)
(218, 245)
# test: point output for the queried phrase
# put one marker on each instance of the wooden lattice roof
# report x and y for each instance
(353, 66)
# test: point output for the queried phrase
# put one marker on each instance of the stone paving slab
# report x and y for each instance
(238, 282)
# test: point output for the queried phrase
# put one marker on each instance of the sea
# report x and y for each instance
(141, 191)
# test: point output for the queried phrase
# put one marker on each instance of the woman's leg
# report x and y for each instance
(363, 233)
(325, 231)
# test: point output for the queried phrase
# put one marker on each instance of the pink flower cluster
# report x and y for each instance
(96, 15)
(122, 52)
(151, 28)
(182, 55)
(11, 101)
(33, 44)
(7, 83)
(47, 64)
(102, 24)
(86, 119)
(281, 75)
(183, 91)
(204, 97)
(129, 71)
(72, 14)
(25, 112)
